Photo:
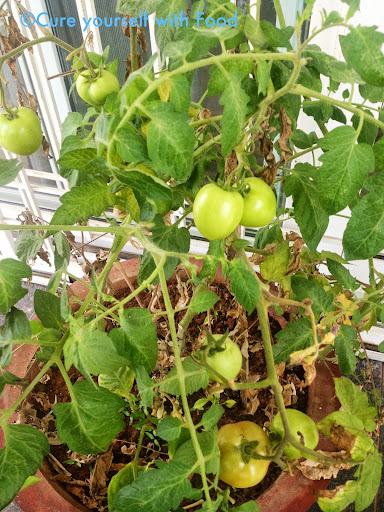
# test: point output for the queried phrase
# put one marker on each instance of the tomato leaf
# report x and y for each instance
(145, 386)
(119, 381)
(244, 284)
(339, 498)
(140, 330)
(275, 265)
(345, 168)
(169, 428)
(369, 481)
(28, 244)
(355, 401)
(158, 490)
(134, 7)
(345, 347)
(296, 336)
(90, 422)
(364, 235)
(21, 457)
(171, 142)
(195, 376)
(306, 289)
(366, 41)
(211, 417)
(208, 444)
(250, 506)
(9, 169)
(342, 275)
(11, 291)
(235, 102)
(15, 329)
(308, 210)
(354, 5)
(180, 96)
(130, 146)
(165, 31)
(203, 301)
(47, 308)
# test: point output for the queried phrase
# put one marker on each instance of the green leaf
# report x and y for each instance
(364, 235)
(28, 244)
(171, 238)
(165, 31)
(31, 480)
(8, 377)
(369, 481)
(342, 275)
(208, 444)
(268, 235)
(140, 330)
(171, 142)
(119, 382)
(263, 75)
(244, 284)
(124, 477)
(195, 376)
(368, 42)
(211, 417)
(203, 301)
(11, 291)
(235, 103)
(71, 124)
(216, 250)
(219, 79)
(15, 329)
(80, 159)
(303, 140)
(250, 506)
(47, 308)
(145, 386)
(345, 168)
(22, 456)
(9, 169)
(305, 289)
(180, 96)
(345, 347)
(275, 265)
(130, 146)
(90, 422)
(368, 132)
(342, 496)
(158, 490)
(93, 352)
(151, 186)
(354, 5)
(134, 7)
(308, 210)
(355, 401)
(296, 336)
(83, 202)
(378, 150)
(169, 428)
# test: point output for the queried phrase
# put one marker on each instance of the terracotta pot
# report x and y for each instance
(287, 493)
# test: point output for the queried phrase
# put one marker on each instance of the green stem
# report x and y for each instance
(279, 13)
(66, 378)
(180, 376)
(138, 448)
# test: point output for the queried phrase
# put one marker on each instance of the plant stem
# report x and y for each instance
(133, 44)
(279, 13)
(180, 376)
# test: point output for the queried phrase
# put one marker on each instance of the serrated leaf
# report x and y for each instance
(303, 140)
(216, 250)
(83, 202)
(368, 132)
(165, 31)
(219, 79)
(275, 265)
(195, 378)
(47, 308)
(119, 382)
(130, 146)
(15, 329)
(296, 336)
(268, 235)
(244, 284)
(157, 490)
(235, 102)
(203, 301)
(124, 477)
(140, 330)
(308, 210)
(171, 238)
(345, 168)
(8, 378)
(355, 401)
(340, 498)
(134, 7)
(378, 150)
(211, 417)
(21, 457)
(151, 186)
(169, 428)
(364, 235)
(171, 142)
(28, 244)
(369, 481)
(305, 289)
(180, 96)
(345, 347)
(79, 159)
(11, 291)
(368, 42)
(9, 169)
(354, 5)
(208, 444)
(90, 422)
(145, 386)
(342, 275)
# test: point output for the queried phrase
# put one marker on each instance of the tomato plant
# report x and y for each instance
(303, 428)
(223, 355)
(22, 134)
(217, 212)
(240, 444)
(259, 204)
(95, 90)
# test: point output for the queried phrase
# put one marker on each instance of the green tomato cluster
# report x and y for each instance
(95, 90)
(218, 212)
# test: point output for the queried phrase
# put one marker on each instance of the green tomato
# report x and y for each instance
(21, 135)
(259, 204)
(217, 212)
(95, 90)
(227, 361)
(302, 426)
(234, 441)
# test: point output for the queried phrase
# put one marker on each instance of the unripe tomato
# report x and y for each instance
(226, 360)
(95, 90)
(302, 426)
(21, 135)
(259, 204)
(217, 212)
(237, 441)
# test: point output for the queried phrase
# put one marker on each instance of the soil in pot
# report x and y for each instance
(87, 477)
